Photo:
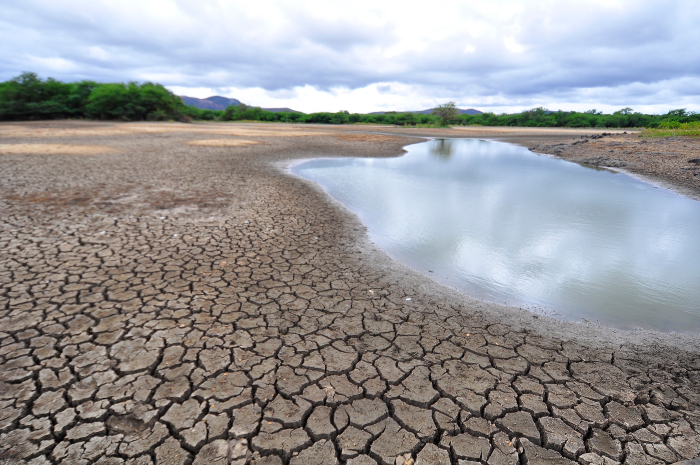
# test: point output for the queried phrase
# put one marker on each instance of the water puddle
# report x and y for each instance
(501, 223)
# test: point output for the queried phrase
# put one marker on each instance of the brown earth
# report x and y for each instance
(179, 304)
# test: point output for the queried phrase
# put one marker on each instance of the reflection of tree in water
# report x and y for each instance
(442, 149)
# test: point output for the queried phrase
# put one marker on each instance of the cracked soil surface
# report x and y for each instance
(176, 304)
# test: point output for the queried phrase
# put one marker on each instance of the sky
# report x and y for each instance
(364, 56)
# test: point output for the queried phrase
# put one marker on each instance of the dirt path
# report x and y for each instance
(173, 303)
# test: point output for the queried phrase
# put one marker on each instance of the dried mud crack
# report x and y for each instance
(178, 304)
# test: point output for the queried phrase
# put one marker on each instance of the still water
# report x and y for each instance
(501, 223)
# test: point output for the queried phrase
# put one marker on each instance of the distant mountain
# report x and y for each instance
(469, 111)
(221, 103)
(212, 103)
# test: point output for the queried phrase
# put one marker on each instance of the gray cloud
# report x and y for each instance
(638, 52)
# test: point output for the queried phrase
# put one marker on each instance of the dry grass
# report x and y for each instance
(54, 149)
(154, 128)
(223, 142)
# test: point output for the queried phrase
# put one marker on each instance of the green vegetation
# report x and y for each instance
(446, 113)
(27, 97)
(674, 129)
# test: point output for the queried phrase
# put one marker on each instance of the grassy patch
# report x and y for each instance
(674, 129)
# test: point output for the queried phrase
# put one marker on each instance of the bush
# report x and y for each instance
(28, 97)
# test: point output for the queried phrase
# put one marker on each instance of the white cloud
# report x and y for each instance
(324, 56)
(98, 53)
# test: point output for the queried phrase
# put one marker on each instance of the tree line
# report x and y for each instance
(27, 97)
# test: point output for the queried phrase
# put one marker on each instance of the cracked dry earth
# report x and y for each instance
(177, 304)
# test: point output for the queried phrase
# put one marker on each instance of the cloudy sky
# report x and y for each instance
(362, 56)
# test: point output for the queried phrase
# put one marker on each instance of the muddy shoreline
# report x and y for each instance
(169, 302)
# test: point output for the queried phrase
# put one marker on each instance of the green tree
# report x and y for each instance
(446, 112)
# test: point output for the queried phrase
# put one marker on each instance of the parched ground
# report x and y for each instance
(169, 301)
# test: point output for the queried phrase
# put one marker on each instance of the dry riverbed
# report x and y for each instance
(168, 300)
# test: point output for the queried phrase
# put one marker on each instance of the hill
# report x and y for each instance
(217, 102)
(212, 103)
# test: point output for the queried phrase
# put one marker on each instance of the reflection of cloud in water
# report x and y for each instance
(510, 225)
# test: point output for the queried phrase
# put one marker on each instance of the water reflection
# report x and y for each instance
(500, 222)
(442, 149)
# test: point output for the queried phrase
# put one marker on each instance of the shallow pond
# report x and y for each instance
(501, 223)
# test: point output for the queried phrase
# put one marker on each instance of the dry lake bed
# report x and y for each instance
(172, 294)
